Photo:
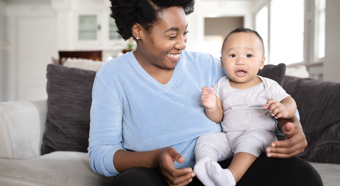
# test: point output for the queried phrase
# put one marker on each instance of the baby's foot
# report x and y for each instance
(201, 172)
(218, 175)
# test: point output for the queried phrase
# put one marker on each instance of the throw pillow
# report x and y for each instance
(297, 71)
(85, 64)
(274, 72)
(69, 102)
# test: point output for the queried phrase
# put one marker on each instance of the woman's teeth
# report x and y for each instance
(173, 55)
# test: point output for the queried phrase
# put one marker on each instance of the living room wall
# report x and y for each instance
(331, 65)
(2, 51)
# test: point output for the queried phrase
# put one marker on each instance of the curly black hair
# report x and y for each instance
(144, 12)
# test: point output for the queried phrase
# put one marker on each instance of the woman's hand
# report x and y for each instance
(295, 142)
(166, 158)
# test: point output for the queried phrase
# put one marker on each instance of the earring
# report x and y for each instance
(137, 38)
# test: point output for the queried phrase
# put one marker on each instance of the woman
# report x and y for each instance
(146, 111)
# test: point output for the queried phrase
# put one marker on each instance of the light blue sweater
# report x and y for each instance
(132, 111)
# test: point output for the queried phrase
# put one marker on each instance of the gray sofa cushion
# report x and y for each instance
(275, 72)
(69, 102)
(318, 103)
(57, 168)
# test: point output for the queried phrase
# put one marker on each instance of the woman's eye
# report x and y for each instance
(232, 55)
(186, 32)
(172, 37)
(249, 55)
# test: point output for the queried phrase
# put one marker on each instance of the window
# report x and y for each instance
(87, 27)
(261, 26)
(286, 31)
(320, 28)
(113, 29)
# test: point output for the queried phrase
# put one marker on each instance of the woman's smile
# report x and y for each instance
(174, 57)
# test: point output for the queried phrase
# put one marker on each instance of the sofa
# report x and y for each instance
(45, 142)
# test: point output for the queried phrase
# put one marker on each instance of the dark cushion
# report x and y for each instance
(318, 103)
(69, 102)
(274, 72)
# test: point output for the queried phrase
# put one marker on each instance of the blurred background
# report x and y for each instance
(303, 34)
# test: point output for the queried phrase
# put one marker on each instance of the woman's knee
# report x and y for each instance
(281, 172)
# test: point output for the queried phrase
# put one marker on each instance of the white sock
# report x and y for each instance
(201, 172)
(221, 177)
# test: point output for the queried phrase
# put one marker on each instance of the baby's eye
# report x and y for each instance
(232, 55)
(249, 55)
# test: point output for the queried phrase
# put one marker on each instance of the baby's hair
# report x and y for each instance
(144, 12)
(245, 30)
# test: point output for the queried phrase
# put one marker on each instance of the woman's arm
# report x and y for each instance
(295, 142)
(162, 159)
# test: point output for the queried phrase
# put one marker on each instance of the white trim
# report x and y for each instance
(29, 10)
(11, 85)
(269, 33)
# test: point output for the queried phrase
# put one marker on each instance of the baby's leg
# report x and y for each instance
(248, 147)
(240, 164)
(210, 147)
(229, 177)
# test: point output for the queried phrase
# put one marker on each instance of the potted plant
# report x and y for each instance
(130, 45)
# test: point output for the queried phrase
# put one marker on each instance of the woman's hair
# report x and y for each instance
(144, 12)
(245, 30)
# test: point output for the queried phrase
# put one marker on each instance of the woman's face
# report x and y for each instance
(163, 44)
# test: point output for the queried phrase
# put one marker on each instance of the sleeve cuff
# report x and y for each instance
(108, 162)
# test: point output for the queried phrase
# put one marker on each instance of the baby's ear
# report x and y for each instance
(262, 63)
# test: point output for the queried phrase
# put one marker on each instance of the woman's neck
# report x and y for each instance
(162, 75)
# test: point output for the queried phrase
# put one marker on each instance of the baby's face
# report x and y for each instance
(242, 57)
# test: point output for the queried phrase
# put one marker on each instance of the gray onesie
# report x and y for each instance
(247, 126)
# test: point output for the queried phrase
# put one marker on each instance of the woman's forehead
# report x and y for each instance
(173, 17)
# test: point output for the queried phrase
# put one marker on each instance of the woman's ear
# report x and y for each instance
(262, 63)
(137, 31)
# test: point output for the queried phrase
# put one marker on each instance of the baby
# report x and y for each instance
(245, 104)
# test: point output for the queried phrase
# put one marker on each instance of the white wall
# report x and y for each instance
(2, 51)
(28, 60)
(204, 9)
(331, 65)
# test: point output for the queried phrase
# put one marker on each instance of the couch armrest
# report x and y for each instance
(22, 125)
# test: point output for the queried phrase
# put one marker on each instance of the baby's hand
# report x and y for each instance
(277, 109)
(208, 98)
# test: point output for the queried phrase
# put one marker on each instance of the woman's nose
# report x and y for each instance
(181, 43)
